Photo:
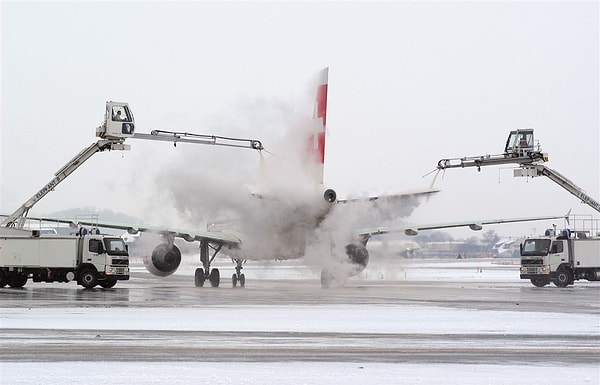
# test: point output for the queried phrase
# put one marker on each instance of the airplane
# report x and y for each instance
(301, 218)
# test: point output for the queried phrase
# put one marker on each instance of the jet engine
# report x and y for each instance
(330, 195)
(359, 257)
(164, 261)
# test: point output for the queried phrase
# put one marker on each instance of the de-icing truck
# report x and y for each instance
(561, 258)
(88, 257)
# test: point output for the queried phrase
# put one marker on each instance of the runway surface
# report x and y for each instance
(397, 315)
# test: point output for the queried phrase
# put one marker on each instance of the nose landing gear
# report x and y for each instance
(238, 277)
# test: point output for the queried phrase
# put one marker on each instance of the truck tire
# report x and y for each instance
(17, 280)
(539, 282)
(564, 277)
(3, 280)
(108, 283)
(88, 278)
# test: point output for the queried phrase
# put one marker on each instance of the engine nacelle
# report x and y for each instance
(359, 257)
(164, 261)
(330, 195)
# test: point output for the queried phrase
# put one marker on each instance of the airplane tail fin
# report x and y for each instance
(302, 151)
(316, 140)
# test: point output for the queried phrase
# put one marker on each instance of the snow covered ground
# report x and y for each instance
(479, 328)
(361, 318)
(291, 373)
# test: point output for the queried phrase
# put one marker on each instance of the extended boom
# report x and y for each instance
(521, 149)
(118, 125)
(17, 219)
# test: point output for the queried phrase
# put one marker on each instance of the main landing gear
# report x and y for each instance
(213, 276)
(206, 273)
(208, 252)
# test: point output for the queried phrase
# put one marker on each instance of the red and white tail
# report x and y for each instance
(316, 141)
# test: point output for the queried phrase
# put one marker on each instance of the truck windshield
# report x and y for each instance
(115, 246)
(536, 247)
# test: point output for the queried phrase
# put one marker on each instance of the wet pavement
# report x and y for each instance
(266, 295)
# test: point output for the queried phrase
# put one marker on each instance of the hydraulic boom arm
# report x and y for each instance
(118, 125)
(561, 180)
(520, 150)
(17, 219)
(186, 137)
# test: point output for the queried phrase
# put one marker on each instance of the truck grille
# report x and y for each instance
(532, 270)
(120, 262)
(531, 261)
(120, 271)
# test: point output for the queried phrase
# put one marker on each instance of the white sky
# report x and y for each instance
(409, 83)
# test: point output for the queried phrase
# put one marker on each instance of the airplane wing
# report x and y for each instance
(188, 235)
(386, 207)
(388, 198)
(219, 237)
(473, 225)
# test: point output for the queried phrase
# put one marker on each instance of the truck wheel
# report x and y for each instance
(108, 283)
(564, 277)
(539, 282)
(17, 280)
(3, 280)
(88, 279)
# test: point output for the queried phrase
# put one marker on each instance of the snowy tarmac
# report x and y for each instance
(401, 322)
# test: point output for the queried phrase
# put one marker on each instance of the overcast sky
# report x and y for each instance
(409, 83)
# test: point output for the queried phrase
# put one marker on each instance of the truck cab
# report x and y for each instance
(104, 260)
(118, 122)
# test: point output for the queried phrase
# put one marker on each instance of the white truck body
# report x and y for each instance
(89, 258)
(560, 259)
(586, 253)
(39, 252)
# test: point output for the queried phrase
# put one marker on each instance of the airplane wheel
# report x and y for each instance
(242, 280)
(199, 277)
(326, 278)
(234, 280)
(214, 278)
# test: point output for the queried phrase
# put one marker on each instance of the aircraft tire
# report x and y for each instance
(234, 280)
(242, 280)
(214, 278)
(326, 278)
(199, 277)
